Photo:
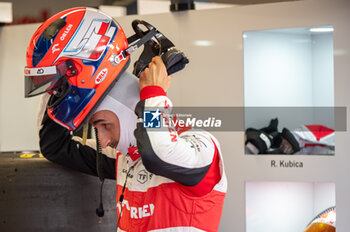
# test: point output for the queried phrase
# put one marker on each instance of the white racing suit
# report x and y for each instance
(176, 181)
(315, 139)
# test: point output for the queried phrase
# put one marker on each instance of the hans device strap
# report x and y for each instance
(174, 59)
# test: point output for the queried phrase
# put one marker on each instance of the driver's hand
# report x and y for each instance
(155, 74)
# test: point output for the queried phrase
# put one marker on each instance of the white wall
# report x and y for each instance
(288, 68)
(285, 206)
(324, 197)
(277, 69)
(323, 77)
(5, 12)
(17, 114)
(322, 69)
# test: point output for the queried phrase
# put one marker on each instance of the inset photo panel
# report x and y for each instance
(289, 91)
(290, 206)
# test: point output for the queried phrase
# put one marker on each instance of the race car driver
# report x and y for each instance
(170, 180)
(174, 181)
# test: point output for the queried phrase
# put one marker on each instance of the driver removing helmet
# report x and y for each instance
(175, 180)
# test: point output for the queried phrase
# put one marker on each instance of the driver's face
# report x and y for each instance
(107, 124)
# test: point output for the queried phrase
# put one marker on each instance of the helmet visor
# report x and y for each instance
(43, 79)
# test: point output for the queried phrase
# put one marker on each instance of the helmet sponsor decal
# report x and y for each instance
(40, 71)
(51, 70)
(55, 48)
(91, 38)
(101, 76)
(66, 31)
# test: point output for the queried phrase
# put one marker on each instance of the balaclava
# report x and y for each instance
(122, 100)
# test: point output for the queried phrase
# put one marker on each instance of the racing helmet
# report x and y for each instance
(77, 56)
(323, 222)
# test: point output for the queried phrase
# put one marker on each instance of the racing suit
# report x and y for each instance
(175, 180)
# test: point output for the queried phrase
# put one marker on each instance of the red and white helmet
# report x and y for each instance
(324, 222)
(76, 55)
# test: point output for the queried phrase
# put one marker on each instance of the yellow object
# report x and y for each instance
(31, 155)
(85, 132)
(320, 227)
(325, 222)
